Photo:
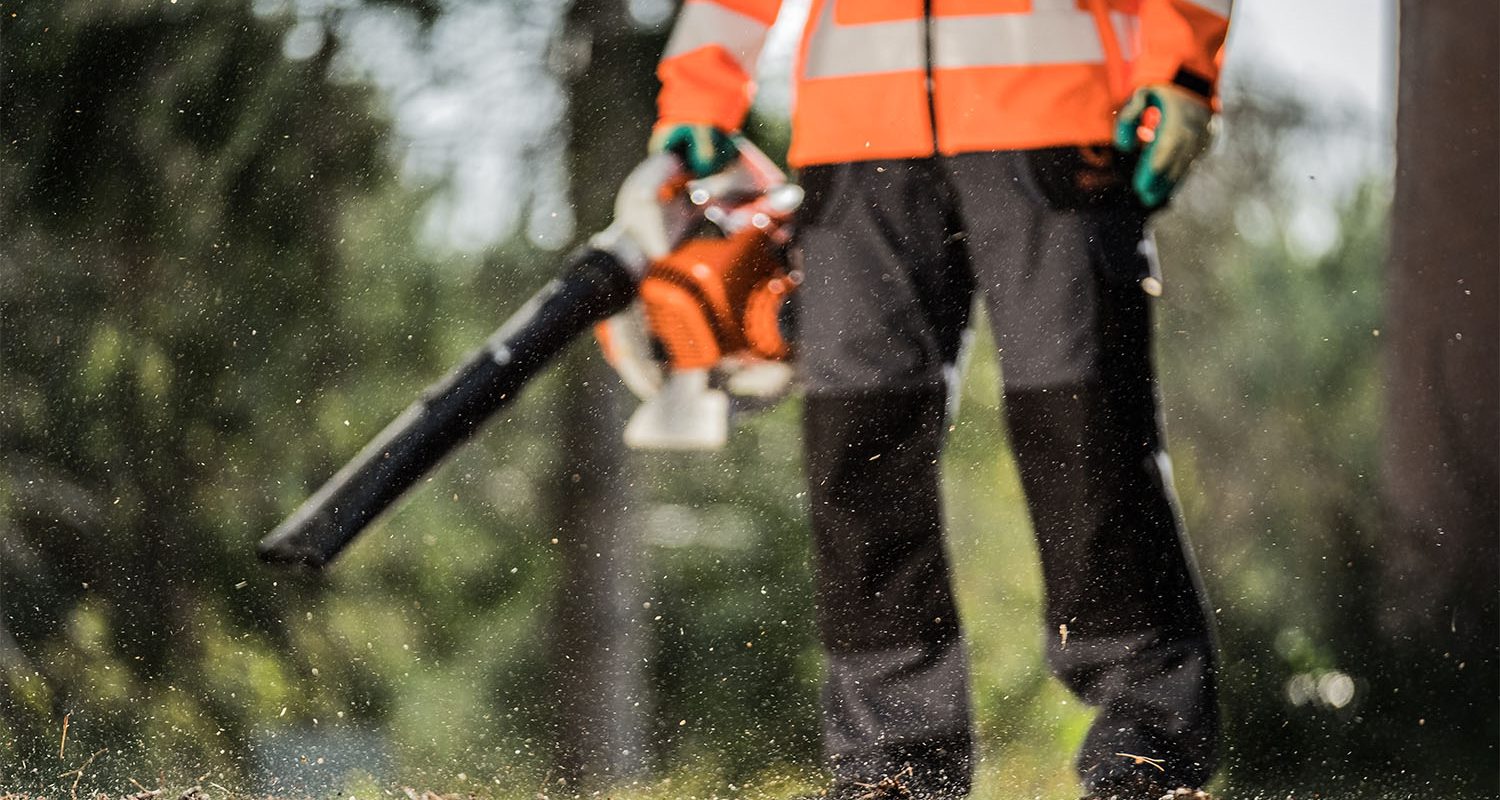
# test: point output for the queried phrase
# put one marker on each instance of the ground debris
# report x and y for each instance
(1148, 760)
(887, 788)
(413, 794)
(195, 793)
(1186, 794)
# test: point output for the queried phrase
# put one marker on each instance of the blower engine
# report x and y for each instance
(712, 329)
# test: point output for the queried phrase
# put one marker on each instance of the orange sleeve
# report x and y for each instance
(1181, 43)
(707, 71)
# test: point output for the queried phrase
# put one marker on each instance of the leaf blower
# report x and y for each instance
(689, 291)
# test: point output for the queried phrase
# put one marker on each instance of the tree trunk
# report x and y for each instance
(597, 634)
(1436, 605)
(610, 68)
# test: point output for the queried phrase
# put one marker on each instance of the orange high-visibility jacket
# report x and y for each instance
(908, 78)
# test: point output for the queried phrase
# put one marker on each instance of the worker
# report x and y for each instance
(1015, 149)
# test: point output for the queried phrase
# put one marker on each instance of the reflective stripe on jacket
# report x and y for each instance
(907, 78)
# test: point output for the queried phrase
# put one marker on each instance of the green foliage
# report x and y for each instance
(1270, 361)
(186, 333)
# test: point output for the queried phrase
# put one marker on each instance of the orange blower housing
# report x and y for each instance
(714, 298)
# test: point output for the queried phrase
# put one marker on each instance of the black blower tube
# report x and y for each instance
(593, 287)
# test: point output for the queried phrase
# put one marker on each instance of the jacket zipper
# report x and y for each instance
(931, 102)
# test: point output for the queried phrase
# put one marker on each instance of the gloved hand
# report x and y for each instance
(651, 216)
(1180, 134)
(703, 149)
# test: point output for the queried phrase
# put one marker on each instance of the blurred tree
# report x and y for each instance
(171, 210)
(1438, 599)
(599, 638)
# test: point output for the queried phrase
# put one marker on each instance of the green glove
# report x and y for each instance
(703, 149)
(1181, 134)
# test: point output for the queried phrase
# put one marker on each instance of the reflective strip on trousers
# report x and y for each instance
(706, 24)
(1053, 32)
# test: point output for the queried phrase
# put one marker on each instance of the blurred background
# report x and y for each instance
(238, 236)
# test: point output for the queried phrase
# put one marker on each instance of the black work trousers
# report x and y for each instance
(893, 254)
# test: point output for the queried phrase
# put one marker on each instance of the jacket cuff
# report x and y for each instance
(1195, 83)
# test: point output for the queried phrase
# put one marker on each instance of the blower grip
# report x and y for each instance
(594, 286)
